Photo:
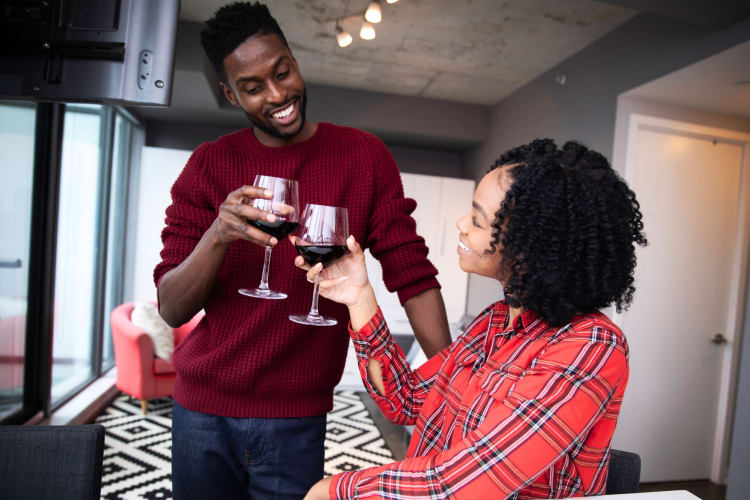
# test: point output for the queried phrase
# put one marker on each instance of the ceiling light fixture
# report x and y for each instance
(367, 32)
(373, 13)
(343, 38)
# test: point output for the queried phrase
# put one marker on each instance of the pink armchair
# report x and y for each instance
(139, 373)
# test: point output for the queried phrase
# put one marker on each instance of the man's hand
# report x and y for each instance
(319, 491)
(235, 212)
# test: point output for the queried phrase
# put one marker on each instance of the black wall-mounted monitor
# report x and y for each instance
(97, 51)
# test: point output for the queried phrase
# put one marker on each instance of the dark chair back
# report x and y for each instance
(51, 461)
(624, 472)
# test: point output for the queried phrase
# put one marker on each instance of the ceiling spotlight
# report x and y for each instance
(367, 32)
(343, 38)
(373, 13)
(391, 1)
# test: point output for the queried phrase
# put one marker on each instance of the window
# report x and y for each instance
(74, 160)
(77, 231)
(118, 202)
(17, 122)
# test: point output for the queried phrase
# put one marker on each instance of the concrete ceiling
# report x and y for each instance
(473, 51)
(720, 83)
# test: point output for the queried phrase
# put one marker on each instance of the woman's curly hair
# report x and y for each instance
(567, 229)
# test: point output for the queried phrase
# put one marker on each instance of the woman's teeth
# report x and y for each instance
(463, 247)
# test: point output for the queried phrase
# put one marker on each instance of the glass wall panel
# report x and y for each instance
(17, 130)
(78, 223)
(118, 199)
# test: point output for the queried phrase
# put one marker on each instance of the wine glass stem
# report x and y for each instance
(316, 289)
(266, 264)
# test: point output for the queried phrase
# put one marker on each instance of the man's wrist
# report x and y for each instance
(214, 237)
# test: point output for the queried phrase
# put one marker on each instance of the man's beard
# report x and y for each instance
(274, 132)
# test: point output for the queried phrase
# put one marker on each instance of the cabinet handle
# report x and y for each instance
(13, 264)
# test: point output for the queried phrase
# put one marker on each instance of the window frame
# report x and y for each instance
(47, 163)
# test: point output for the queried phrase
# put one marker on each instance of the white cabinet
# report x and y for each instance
(441, 201)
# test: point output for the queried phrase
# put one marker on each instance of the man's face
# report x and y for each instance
(263, 79)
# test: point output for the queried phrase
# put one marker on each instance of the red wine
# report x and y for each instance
(279, 229)
(321, 253)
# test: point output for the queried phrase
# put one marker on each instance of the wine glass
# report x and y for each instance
(285, 206)
(321, 237)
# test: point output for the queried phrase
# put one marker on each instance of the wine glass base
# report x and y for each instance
(261, 293)
(308, 319)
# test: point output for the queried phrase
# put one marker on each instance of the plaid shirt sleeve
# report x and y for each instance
(405, 389)
(549, 410)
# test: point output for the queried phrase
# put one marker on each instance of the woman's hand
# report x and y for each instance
(319, 491)
(345, 281)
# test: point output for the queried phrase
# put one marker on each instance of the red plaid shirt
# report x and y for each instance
(506, 411)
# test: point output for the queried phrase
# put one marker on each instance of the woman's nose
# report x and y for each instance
(460, 223)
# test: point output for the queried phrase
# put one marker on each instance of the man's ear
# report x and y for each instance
(229, 94)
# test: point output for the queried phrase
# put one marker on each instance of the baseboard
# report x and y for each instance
(86, 406)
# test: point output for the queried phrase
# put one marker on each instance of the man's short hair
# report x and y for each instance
(231, 25)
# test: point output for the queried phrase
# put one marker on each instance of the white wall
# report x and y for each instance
(159, 169)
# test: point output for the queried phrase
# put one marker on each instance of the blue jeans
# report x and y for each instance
(258, 458)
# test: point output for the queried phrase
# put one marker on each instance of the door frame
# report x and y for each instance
(739, 280)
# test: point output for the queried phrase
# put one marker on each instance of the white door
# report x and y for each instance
(689, 188)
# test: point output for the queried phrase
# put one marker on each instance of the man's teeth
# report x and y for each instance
(284, 112)
(463, 247)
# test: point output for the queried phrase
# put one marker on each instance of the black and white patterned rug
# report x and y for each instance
(137, 448)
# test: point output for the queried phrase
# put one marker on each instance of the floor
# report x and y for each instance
(705, 490)
(137, 448)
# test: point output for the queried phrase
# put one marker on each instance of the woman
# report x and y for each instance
(526, 401)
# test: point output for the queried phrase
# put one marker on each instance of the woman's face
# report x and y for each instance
(475, 228)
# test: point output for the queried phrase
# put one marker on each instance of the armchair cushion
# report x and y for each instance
(146, 317)
(162, 366)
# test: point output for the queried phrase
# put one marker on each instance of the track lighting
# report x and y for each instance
(343, 38)
(373, 13)
(367, 32)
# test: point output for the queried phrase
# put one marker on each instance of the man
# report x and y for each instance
(252, 387)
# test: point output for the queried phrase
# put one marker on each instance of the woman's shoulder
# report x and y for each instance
(595, 327)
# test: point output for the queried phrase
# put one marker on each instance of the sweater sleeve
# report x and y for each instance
(392, 233)
(189, 216)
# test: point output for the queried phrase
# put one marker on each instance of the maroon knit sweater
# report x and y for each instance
(246, 359)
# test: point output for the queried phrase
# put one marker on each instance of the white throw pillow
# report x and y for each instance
(146, 317)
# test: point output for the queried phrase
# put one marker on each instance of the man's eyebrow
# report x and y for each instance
(479, 209)
(257, 78)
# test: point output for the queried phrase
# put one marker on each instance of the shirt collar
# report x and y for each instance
(494, 326)
(527, 320)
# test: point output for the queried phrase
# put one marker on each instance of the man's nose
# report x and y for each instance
(276, 93)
